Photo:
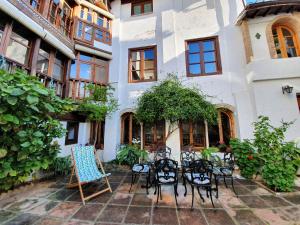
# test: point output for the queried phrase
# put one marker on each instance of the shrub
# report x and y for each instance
(246, 157)
(206, 153)
(130, 154)
(61, 165)
(27, 127)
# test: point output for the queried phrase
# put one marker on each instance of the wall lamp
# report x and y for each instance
(287, 89)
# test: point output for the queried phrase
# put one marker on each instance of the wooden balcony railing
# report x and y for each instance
(78, 90)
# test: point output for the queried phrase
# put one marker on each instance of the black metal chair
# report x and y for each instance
(164, 152)
(199, 176)
(166, 173)
(224, 169)
(186, 157)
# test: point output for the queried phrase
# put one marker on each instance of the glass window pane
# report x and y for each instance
(194, 58)
(136, 75)
(100, 21)
(149, 54)
(147, 7)
(82, 13)
(210, 68)
(286, 32)
(99, 34)
(73, 70)
(148, 74)
(85, 57)
(149, 138)
(208, 45)
(185, 134)
(19, 38)
(199, 134)
(209, 57)
(71, 133)
(278, 51)
(79, 29)
(17, 52)
(81, 90)
(89, 17)
(195, 69)
(135, 56)
(57, 72)
(137, 9)
(194, 47)
(291, 52)
(149, 65)
(289, 42)
(100, 75)
(42, 64)
(136, 65)
(85, 71)
(160, 131)
(88, 32)
(213, 135)
(276, 42)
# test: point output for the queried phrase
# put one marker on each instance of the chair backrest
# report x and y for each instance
(229, 160)
(86, 165)
(164, 152)
(166, 168)
(201, 168)
(186, 157)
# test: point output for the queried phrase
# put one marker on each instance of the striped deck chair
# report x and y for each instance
(86, 170)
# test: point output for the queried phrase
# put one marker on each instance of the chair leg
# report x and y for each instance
(147, 183)
(207, 193)
(224, 178)
(217, 186)
(211, 198)
(233, 187)
(192, 197)
(184, 183)
(200, 194)
(160, 192)
(81, 194)
(132, 181)
(157, 194)
(175, 193)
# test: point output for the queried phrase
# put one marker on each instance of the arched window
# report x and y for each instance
(222, 132)
(130, 128)
(286, 42)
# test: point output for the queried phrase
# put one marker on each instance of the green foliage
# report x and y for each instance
(280, 158)
(246, 157)
(275, 159)
(61, 165)
(27, 127)
(131, 154)
(99, 104)
(206, 153)
(171, 101)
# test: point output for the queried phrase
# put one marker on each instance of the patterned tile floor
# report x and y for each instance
(50, 203)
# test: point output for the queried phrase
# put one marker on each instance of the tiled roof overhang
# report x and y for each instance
(266, 8)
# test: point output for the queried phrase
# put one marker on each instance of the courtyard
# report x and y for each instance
(50, 203)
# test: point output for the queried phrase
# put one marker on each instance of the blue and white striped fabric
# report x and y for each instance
(86, 164)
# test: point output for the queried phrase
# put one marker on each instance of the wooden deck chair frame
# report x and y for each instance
(79, 184)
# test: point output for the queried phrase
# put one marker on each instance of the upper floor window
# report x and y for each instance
(286, 42)
(19, 45)
(35, 4)
(140, 8)
(203, 57)
(298, 100)
(142, 64)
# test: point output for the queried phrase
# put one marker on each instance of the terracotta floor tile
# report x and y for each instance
(23, 219)
(292, 212)
(245, 182)
(217, 217)
(272, 216)
(5, 215)
(65, 209)
(50, 221)
(88, 212)
(141, 200)
(246, 217)
(138, 215)
(166, 216)
(62, 194)
(103, 198)
(75, 222)
(113, 213)
(294, 198)
(121, 198)
(27, 205)
(275, 201)
(43, 208)
(254, 202)
(188, 217)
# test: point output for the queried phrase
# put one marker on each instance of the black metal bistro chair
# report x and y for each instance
(166, 173)
(186, 157)
(163, 152)
(224, 169)
(199, 176)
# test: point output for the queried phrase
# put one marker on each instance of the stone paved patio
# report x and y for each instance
(50, 203)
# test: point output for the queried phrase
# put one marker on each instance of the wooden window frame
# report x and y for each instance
(106, 30)
(142, 4)
(154, 136)
(298, 100)
(38, 2)
(282, 43)
(191, 135)
(142, 61)
(101, 132)
(74, 124)
(123, 117)
(215, 39)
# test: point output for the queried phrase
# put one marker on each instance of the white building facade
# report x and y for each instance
(229, 51)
